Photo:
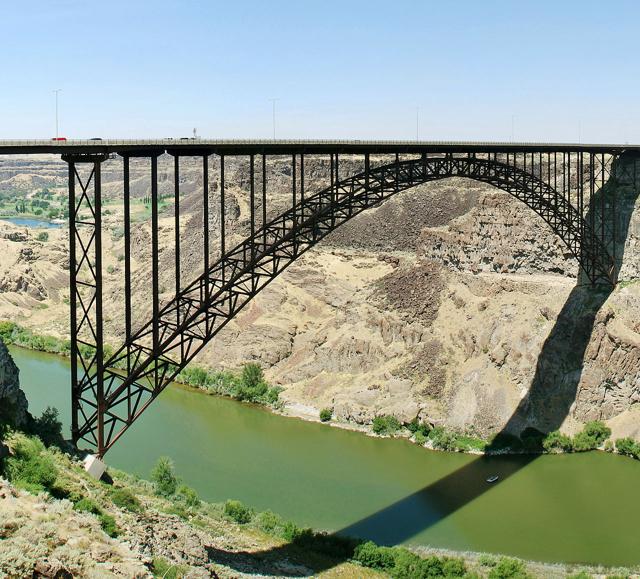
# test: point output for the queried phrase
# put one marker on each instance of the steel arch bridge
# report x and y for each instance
(571, 187)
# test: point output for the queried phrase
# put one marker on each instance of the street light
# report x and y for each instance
(56, 91)
(273, 112)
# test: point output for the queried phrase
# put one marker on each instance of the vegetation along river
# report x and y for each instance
(572, 508)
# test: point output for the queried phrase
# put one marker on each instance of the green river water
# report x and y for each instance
(571, 508)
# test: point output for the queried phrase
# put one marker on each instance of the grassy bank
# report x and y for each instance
(248, 385)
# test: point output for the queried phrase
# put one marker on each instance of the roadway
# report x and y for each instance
(191, 146)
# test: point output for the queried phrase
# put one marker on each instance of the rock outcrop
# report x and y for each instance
(14, 407)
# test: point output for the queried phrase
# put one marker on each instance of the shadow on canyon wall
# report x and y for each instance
(553, 391)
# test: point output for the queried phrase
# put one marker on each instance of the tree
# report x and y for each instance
(597, 430)
(164, 478)
(325, 414)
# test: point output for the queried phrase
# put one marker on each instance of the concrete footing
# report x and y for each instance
(94, 466)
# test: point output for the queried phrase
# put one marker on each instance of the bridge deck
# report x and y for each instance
(198, 146)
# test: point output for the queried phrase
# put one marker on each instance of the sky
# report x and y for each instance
(499, 70)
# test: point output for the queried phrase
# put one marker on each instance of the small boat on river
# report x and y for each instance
(493, 478)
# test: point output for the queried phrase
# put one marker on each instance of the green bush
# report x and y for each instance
(125, 499)
(108, 524)
(370, 555)
(465, 443)
(238, 512)
(163, 477)
(326, 414)
(507, 568)
(386, 424)
(582, 442)
(48, 427)
(628, 447)
(271, 523)
(443, 439)
(87, 505)
(557, 442)
(415, 427)
(42, 236)
(597, 430)
(188, 496)
(420, 438)
(30, 467)
(487, 560)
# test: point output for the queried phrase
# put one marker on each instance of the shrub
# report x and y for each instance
(557, 442)
(251, 386)
(125, 499)
(597, 430)
(325, 414)
(507, 568)
(385, 424)
(48, 427)
(87, 505)
(487, 560)
(238, 512)
(407, 565)
(420, 438)
(188, 496)
(628, 447)
(415, 427)
(464, 443)
(163, 568)
(163, 477)
(270, 523)
(42, 236)
(252, 375)
(108, 524)
(30, 467)
(370, 555)
(454, 568)
(582, 442)
(443, 439)
(608, 446)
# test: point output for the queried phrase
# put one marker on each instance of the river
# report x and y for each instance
(570, 508)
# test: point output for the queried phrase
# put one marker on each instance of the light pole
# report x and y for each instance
(56, 91)
(417, 123)
(273, 114)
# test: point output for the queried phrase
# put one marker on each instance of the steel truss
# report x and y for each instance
(565, 189)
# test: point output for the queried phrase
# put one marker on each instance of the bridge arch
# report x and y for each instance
(202, 309)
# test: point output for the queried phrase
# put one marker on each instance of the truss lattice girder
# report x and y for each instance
(204, 307)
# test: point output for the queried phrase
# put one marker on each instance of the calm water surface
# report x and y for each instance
(31, 223)
(573, 508)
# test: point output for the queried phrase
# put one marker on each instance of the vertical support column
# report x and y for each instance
(155, 289)
(176, 227)
(252, 208)
(264, 201)
(301, 187)
(293, 205)
(127, 258)
(367, 171)
(86, 320)
(222, 217)
(205, 224)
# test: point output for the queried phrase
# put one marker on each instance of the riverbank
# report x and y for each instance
(162, 528)
(250, 386)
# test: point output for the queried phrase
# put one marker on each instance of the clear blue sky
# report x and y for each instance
(340, 69)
